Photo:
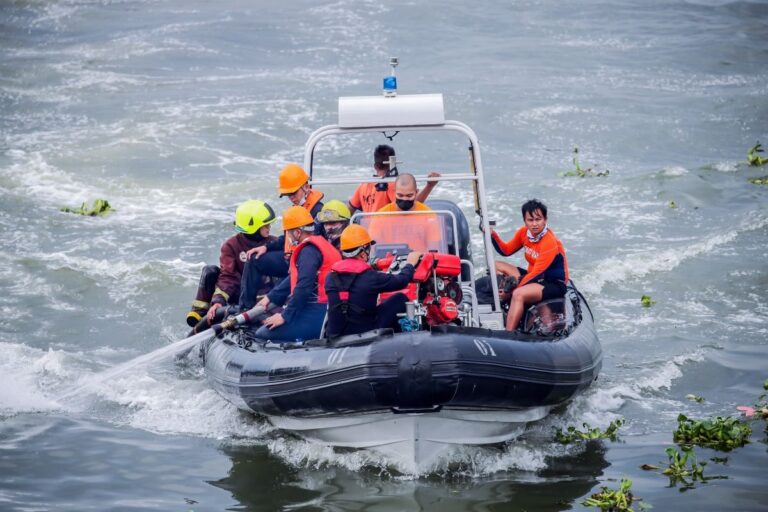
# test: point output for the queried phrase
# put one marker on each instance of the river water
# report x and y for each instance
(177, 111)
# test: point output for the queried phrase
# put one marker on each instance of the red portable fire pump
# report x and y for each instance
(435, 292)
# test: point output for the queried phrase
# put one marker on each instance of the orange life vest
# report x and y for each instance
(330, 256)
(311, 200)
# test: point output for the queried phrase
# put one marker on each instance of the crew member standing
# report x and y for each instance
(353, 287)
(372, 196)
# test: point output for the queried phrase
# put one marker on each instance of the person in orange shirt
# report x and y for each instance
(421, 232)
(547, 272)
(371, 197)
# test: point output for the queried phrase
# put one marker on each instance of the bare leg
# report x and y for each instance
(527, 294)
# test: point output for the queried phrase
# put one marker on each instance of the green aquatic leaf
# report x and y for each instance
(683, 467)
(619, 500)
(100, 207)
(589, 433)
(719, 433)
(753, 158)
(646, 301)
(759, 181)
(578, 172)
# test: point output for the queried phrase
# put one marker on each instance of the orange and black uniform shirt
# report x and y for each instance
(546, 258)
(368, 199)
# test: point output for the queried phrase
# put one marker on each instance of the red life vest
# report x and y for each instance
(350, 266)
(330, 256)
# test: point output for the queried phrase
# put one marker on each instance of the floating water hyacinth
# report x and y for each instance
(615, 500)
(646, 301)
(583, 173)
(100, 207)
(679, 469)
(572, 434)
(759, 181)
(720, 433)
(753, 158)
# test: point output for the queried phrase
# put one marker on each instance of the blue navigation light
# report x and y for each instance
(390, 85)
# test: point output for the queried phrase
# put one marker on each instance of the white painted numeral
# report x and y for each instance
(336, 356)
(484, 347)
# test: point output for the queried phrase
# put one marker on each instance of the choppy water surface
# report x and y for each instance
(178, 111)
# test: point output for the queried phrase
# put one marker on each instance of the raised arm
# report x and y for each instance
(424, 192)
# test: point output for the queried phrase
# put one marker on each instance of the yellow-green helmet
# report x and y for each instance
(334, 211)
(252, 215)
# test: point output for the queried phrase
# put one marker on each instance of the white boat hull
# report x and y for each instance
(415, 442)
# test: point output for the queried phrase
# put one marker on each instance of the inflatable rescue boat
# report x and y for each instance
(451, 375)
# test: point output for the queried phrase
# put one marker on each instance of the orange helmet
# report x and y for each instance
(296, 217)
(291, 178)
(354, 237)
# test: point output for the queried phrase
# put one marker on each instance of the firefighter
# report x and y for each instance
(303, 291)
(371, 197)
(547, 272)
(220, 285)
(334, 217)
(271, 260)
(353, 287)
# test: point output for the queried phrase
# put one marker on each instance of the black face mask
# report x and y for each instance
(404, 204)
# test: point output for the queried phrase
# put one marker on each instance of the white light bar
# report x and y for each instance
(401, 110)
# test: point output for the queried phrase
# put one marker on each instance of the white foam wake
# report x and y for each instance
(618, 269)
(25, 373)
